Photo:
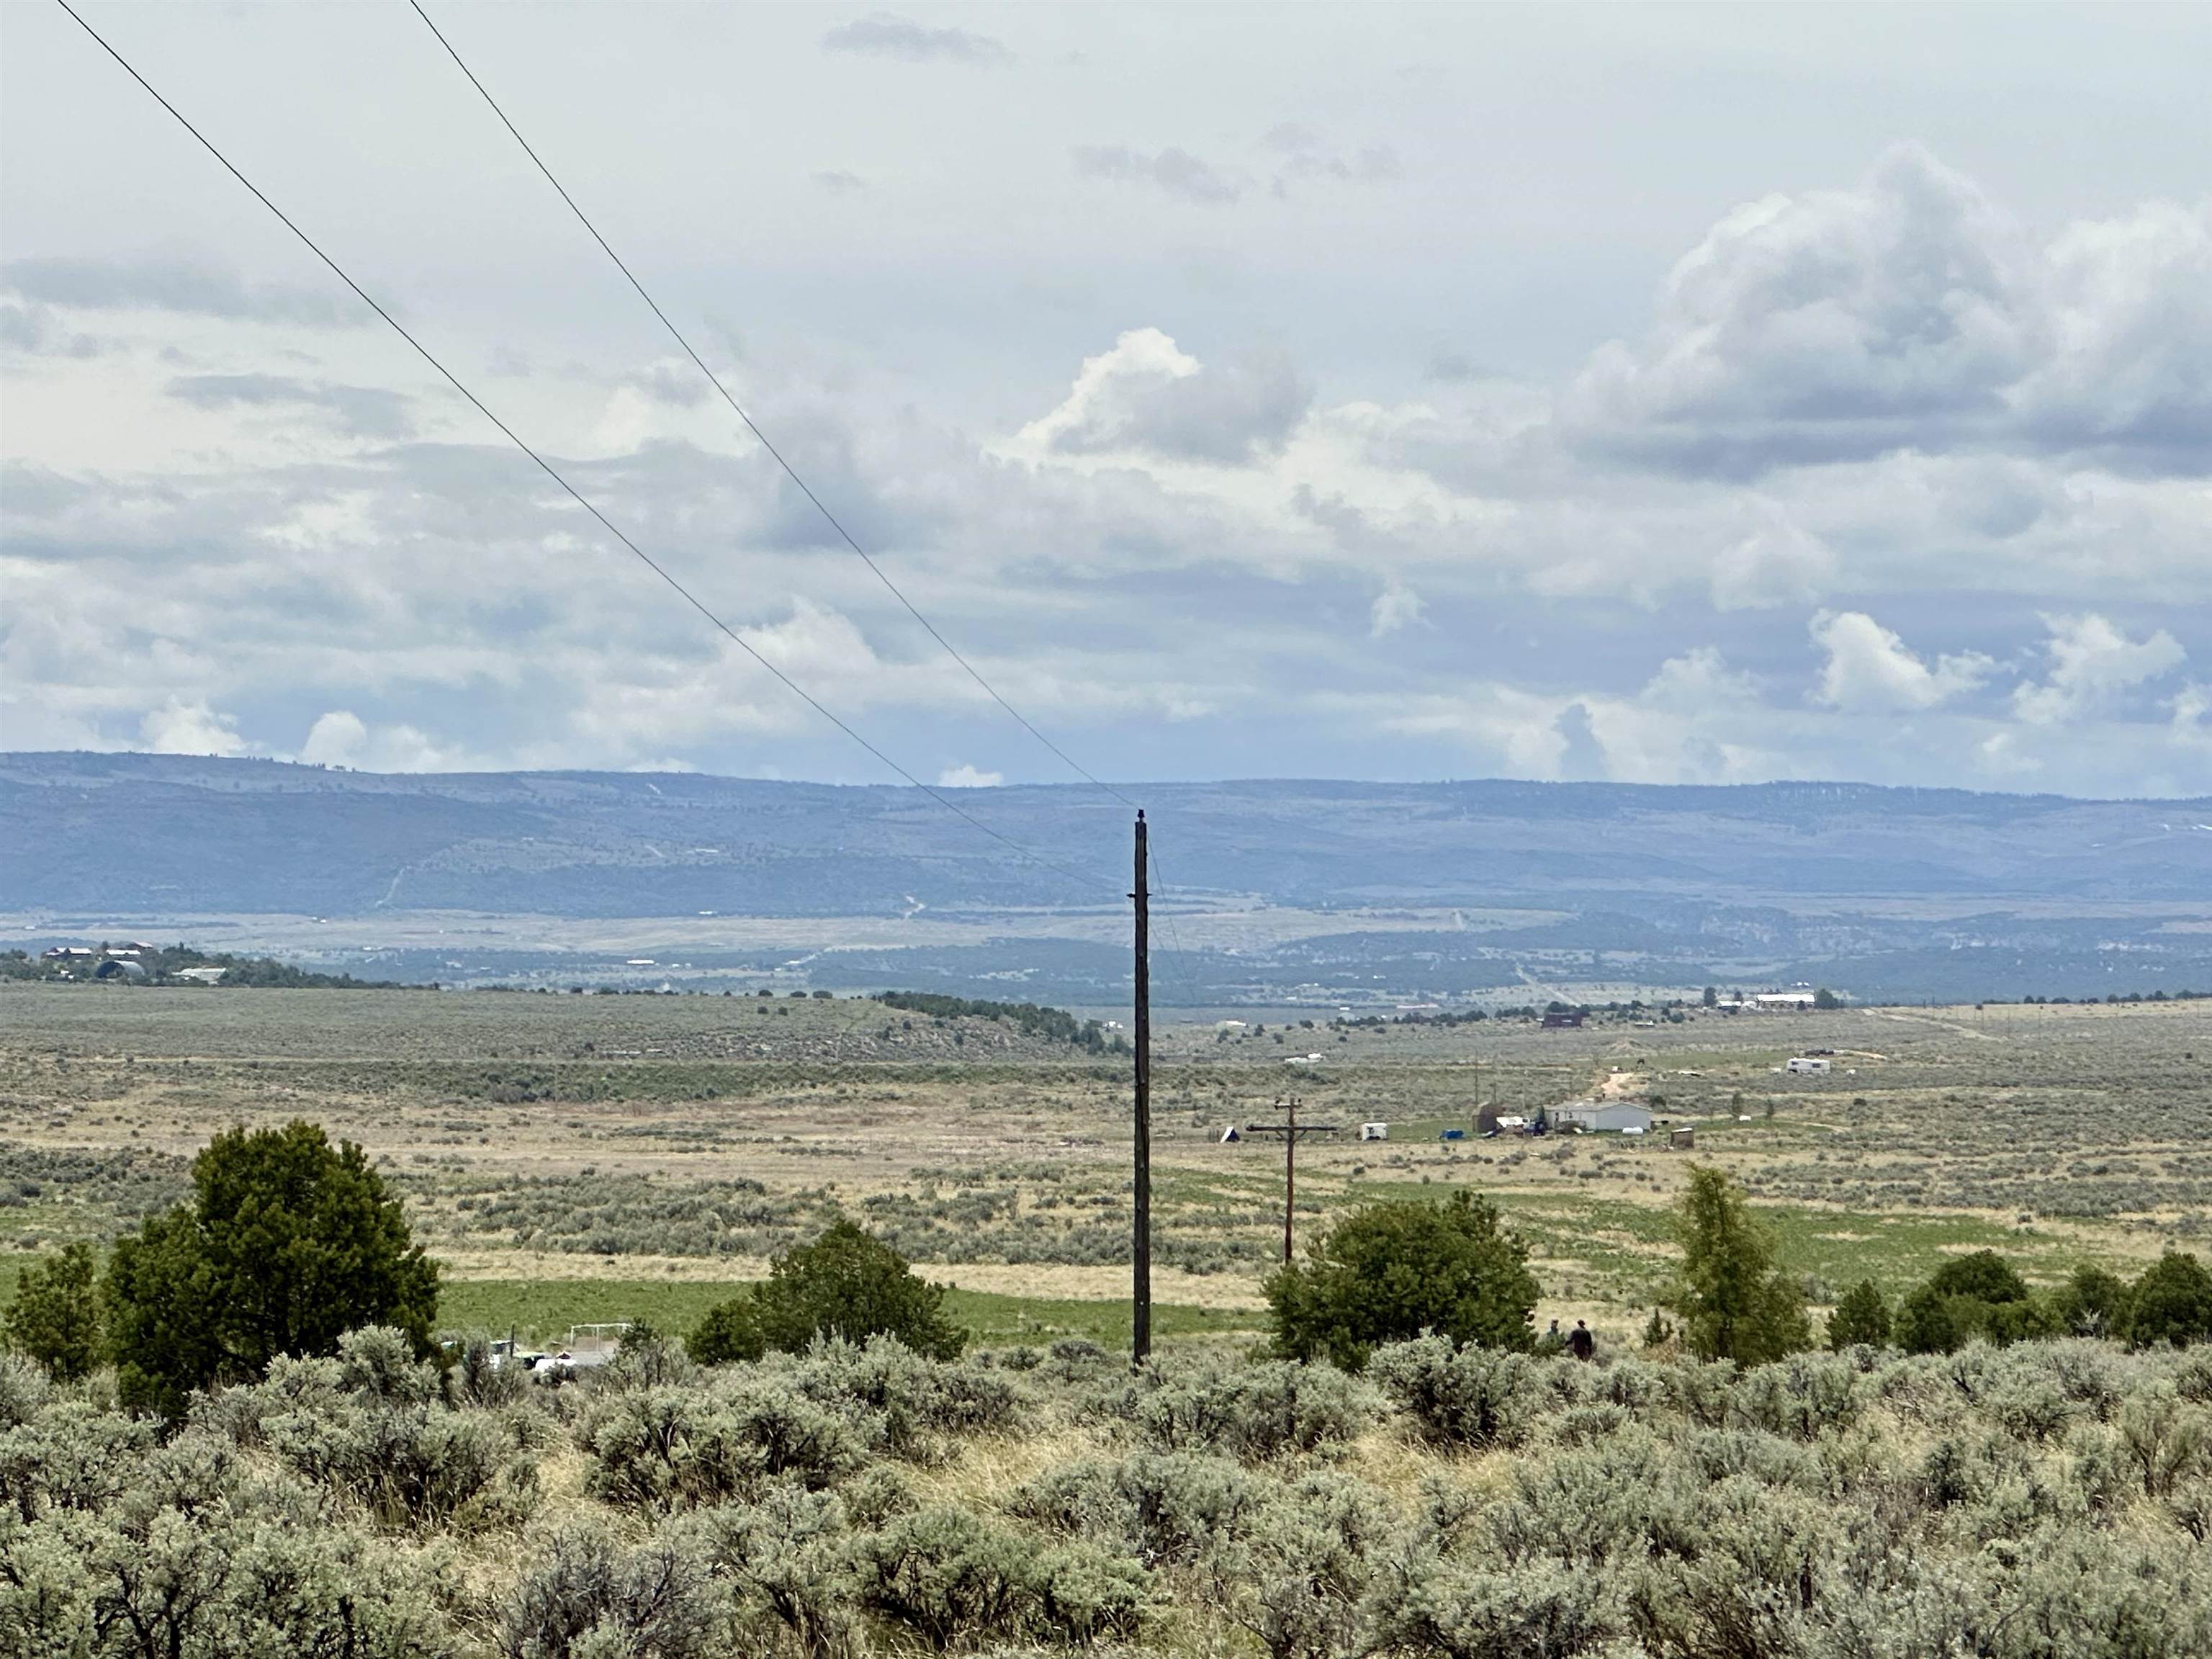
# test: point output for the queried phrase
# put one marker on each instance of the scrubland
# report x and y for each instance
(576, 1159)
(607, 1156)
(2050, 1499)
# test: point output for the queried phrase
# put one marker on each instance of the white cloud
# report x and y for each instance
(178, 727)
(1870, 668)
(1826, 326)
(2091, 663)
(335, 739)
(2192, 716)
(1395, 607)
(968, 777)
(1146, 394)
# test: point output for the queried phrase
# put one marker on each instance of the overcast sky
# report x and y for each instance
(1666, 395)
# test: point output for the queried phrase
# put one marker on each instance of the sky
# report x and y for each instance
(1658, 394)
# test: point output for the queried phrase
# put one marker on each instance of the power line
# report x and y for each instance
(548, 468)
(791, 471)
(751, 426)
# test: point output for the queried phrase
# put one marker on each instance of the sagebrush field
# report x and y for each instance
(593, 1158)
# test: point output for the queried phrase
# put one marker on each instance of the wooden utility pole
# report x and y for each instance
(1140, 1300)
(1290, 1129)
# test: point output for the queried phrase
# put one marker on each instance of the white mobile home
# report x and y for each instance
(1601, 1116)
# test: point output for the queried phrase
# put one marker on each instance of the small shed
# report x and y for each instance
(1681, 1140)
(1563, 1020)
(1374, 1132)
(1808, 1066)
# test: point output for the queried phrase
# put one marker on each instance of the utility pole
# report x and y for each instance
(1290, 1129)
(1140, 1300)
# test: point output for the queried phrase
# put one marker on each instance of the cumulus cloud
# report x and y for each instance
(1196, 534)
(1833, 326)
(1870, 668)
(968, 777)
(1686, 724)
(883, 34)
(1910, 312)
(2129, 371)
(335, 739)
(1176, 171)
(2091, 663)
(1148, 394)
(178, 727)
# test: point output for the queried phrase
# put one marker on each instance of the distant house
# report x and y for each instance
(1601, 1116)
(70, 953)
(1784, 1002)
(200, 976)
(1808, 1066)
(1681, 1140)
(1563, 1020)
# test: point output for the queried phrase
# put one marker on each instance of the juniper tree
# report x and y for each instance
(1735, 1303)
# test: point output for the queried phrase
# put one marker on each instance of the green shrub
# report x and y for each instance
(916, 1407)
(730, 1333)
(949, 1575)
(1394, 1271)
(1459, 1397)
(1260, 1409)
(788, 1559)
(584, 1596)
(56, 1317)
(1455, 1610)
(848, 1285)
(1861, 1319)
(2091, 1303)
(2171, 1305)
(1803, 1397)
(682, 1447)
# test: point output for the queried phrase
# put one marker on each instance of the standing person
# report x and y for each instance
(1580, 1342)
(1552, 1342)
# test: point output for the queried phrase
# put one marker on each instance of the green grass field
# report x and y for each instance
(546, 1309)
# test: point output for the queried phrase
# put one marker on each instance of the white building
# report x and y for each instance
(1374, 1132)
(1803, 1066)
(1601, 1116)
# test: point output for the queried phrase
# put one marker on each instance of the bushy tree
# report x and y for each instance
(56, 1317)
(847, 1284)
(1977, 1295)
(286, 1244)
(2171, 1303)
(1861, 1318)
(1735, 1303)
(1391, 1271)
(731, 1330)
(2092, 1303)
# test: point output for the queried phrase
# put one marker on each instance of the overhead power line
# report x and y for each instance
(753, 426)
(550, 472)
(792, 472)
